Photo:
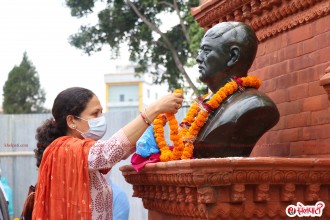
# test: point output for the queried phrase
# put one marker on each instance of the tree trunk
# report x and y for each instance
(154, 28)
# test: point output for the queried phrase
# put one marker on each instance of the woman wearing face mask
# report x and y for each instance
(72, 159)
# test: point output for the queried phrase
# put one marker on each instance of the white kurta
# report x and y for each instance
(104, 154)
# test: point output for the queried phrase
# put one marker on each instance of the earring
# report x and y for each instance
(73, 126)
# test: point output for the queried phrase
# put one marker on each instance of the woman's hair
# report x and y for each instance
(71, 101)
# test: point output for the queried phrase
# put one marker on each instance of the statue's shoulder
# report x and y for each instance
(242, 103)
(248, 109)
(236, 126)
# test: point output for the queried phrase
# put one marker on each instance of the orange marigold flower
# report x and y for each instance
(165, 156)
(163, 143)
(202, 119)
(189, 150)
(195, 118)
(245, 81)
(199, 123)
(217, 97)
(190, 120)
(184, 156)
(159, 130)
(190, 114)
(158, 121)
(229, 89)
(175, 138)
(222, 94)
(194, 133)
(194, 106)
(193, 127)
(174, 127)
(157, 126)
(213, 103)
(173, 133)
(203, 114)
(160, 139)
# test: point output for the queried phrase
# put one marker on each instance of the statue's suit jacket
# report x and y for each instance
(235, 127)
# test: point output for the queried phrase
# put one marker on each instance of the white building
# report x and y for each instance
(126, 89)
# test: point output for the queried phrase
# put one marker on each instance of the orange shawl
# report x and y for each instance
(63, 187)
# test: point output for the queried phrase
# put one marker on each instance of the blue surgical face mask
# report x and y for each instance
(97, 128)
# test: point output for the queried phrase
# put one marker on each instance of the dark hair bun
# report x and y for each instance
(46, 134)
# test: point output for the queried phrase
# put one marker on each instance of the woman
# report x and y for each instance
(72, 159)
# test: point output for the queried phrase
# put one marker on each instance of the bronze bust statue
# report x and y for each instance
(227, 50)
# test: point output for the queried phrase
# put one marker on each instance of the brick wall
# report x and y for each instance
(290, 66)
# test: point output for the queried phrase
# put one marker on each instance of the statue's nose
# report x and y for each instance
(199, 58)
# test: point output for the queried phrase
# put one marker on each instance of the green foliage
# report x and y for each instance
(196, 33)
(22, 92)
(80, 7)
(119, 23)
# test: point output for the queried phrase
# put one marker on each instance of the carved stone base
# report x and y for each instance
(231, 188)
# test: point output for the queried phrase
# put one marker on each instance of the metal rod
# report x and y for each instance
(17, 153)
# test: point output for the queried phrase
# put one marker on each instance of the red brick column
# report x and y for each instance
(291, 65)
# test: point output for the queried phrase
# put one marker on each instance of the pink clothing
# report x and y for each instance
(138, 162)
(103, 155)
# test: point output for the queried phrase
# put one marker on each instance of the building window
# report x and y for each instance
(122, 98)
(123, 94)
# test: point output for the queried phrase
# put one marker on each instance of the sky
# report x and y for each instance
(42, 28)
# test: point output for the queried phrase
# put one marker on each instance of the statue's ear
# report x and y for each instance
(234, 56)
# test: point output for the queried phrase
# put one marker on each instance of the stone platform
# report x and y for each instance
(231, 188)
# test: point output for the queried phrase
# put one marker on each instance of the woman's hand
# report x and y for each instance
(166, 104)
(170, 103)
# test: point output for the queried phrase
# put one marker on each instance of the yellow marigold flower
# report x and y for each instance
(165, 156)
(178, 91)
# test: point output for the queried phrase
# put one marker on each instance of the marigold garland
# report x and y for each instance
(195, 119)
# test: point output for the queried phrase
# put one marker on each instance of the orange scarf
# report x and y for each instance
(63, 187)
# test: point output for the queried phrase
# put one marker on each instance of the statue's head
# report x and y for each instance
(227, 49)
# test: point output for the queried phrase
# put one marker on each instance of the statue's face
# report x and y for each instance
(212, 59)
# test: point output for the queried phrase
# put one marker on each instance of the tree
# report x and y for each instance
(22, 92)
(138, 23)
